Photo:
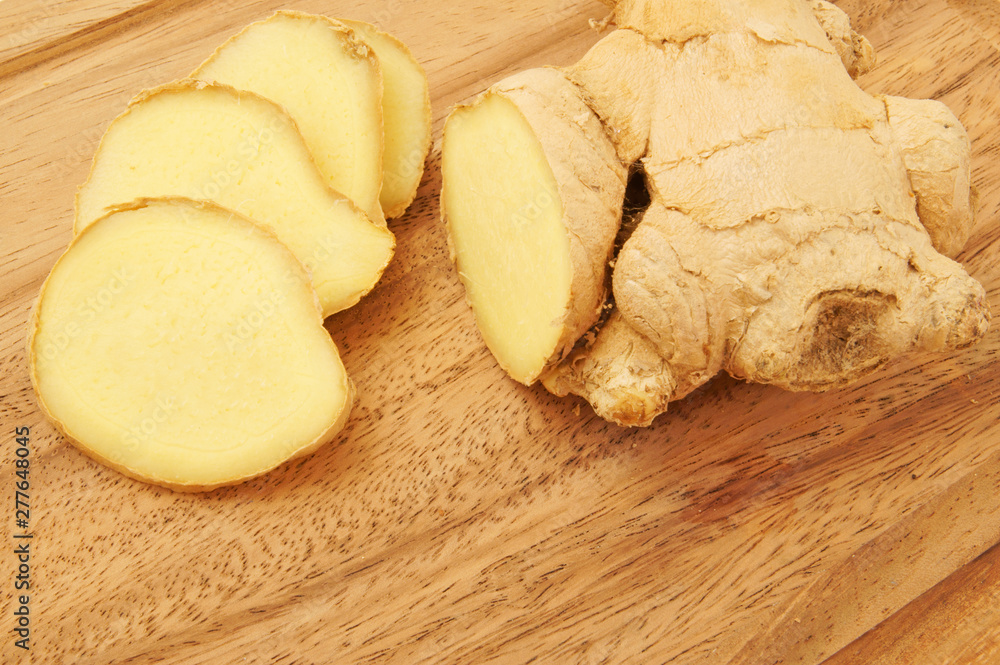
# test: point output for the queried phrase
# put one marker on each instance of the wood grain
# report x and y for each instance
(462, 518)
(953, 622)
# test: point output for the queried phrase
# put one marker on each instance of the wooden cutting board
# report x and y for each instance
(460, 517)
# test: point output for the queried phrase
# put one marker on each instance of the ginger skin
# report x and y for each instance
(783, 244)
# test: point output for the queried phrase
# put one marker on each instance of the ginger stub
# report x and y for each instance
(798, 230)
(183, 345)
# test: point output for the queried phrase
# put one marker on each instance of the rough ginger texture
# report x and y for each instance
(798, 229)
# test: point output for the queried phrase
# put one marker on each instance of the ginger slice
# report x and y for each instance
(406, 117)
(182, 344)
(327, 80)
(531, 226)
(212, 142)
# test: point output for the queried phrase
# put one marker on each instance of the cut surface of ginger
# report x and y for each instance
(234, 148)
(531, 191)
(406, 118)
(181, 344)
(505, 225)
(327, 80)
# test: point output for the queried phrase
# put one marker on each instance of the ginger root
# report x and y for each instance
(798, 228)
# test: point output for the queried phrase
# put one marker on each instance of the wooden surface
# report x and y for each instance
(462, 518)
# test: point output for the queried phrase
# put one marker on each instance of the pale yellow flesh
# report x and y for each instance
(329, 84)
(183, 345)
(240, 151)
(505, 223)
(406, 118)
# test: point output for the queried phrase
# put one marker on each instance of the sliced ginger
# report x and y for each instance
(181, 344)
(794, 225)
(212, 142)
(406, 117)
(180, 338)
(521, 217)
(329, 82)
(495, 228)
(358, 95)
